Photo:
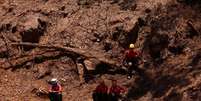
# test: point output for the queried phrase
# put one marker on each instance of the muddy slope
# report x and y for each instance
(80, 41)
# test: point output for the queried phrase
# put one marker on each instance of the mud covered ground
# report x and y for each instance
(81, 41)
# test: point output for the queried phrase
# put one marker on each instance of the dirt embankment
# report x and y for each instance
(80, 41)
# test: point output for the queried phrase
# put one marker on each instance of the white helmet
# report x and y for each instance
(130, 63)
(131, 46)
(53, 80)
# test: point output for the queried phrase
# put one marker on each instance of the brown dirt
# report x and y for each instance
(168, 33)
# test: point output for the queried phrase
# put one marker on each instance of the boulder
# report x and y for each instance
(91, 64)
(31, 23)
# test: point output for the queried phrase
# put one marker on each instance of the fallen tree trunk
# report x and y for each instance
(102, 57)
(36, 58)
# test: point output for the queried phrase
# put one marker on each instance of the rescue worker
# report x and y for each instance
(100, 93)
(55, 90)
(115, 91)
(131, 60)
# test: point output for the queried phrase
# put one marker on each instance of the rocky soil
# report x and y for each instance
(81, 41)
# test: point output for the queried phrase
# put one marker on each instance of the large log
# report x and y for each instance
(102, 57)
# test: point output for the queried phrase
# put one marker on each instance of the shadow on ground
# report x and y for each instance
(158, 87)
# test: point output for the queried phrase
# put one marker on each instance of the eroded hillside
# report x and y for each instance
(80, 41)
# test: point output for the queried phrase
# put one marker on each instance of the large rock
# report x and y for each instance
(31, 23)
(80, 69)
(91, 64)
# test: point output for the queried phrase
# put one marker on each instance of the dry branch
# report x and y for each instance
(102, 57)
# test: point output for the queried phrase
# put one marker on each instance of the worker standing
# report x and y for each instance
(115, 91)
(100, 93)
(131, 60)
(55, 90)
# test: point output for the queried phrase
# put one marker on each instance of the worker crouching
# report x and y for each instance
(55, 90)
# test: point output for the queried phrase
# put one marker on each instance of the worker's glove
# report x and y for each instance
(130, 63)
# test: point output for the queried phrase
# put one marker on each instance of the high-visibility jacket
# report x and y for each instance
(55, 88)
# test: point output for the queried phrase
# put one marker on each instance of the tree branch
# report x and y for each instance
(102, 57)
